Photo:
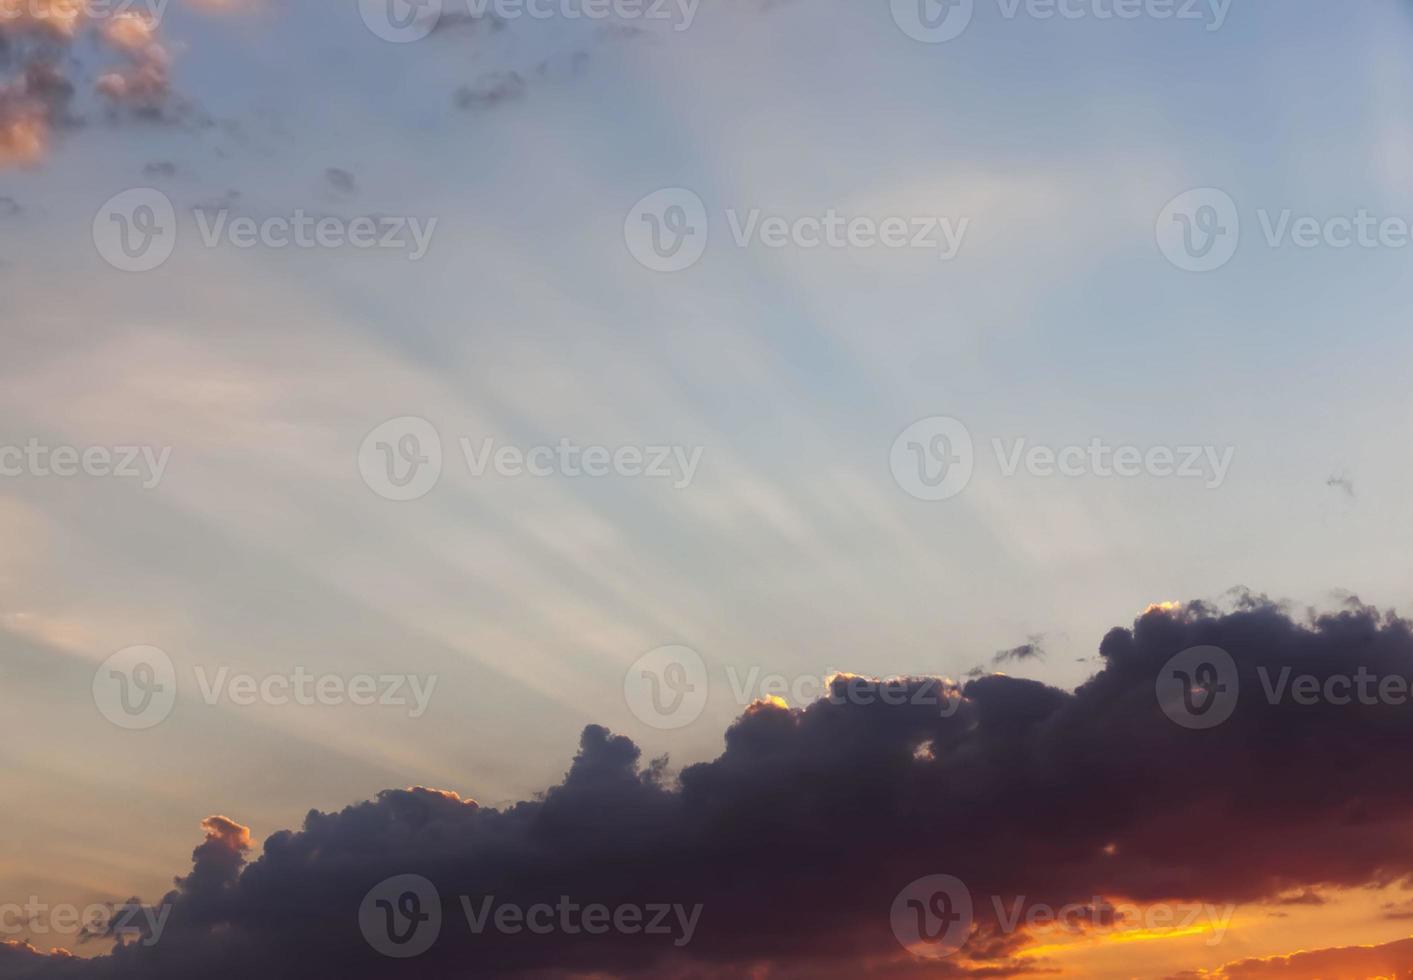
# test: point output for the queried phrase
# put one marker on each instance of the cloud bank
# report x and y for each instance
(795, 841)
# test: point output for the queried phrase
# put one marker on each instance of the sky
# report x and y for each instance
(860, 329)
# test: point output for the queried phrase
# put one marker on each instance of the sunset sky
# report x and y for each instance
(500, 619)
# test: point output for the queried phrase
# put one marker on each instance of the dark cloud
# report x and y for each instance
(564, 67)
(160, 168)
(798, 837)
(1341, 483)
(1303, 897)
(341, 180)
(1030, 650)
(491, 89)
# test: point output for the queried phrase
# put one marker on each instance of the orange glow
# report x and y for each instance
(22, 140)
(130, 31)
(1117, 937)
(769, 701)
(59, 16)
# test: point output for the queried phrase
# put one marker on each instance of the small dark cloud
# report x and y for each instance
(1341, 483)
(563, 67)
(1030, 650)
(9, 207)
(341, 180)
(160, 168)
(1398, 911)
(490, 90)
(1304, 897)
